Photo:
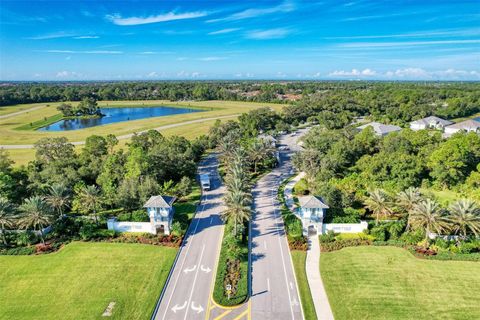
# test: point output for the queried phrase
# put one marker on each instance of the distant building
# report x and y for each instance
(380, 128)
(311, 212)
(467, 126)
(430, 123)
(160, 211)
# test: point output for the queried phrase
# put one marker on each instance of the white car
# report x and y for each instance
(283, 148)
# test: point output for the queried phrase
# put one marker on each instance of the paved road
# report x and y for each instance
(274, 288)
(125, 136)
(187, 292)
(13, 114)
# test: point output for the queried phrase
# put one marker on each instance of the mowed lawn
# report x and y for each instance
(79, 281)
(390, 283)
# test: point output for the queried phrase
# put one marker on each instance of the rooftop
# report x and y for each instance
(312, 202)
(380, 128)
(432, 120)
(467, 124)
(159, 202)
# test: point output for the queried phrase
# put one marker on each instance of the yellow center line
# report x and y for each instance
(223, 315)
(241, 315)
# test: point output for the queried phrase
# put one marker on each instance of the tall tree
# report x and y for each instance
(428, 216)
(378, 203)
(36, 215)
(58, 198)
(406, 200)
(465, 217)
(7, 217)
(92, 199)
(238, 207)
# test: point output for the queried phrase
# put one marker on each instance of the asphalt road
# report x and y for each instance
(274, 289)
(187, 292)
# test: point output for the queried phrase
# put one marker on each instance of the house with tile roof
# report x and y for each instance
(470, 125)
(431, 122)
(380, 128)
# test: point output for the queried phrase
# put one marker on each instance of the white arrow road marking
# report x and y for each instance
(187, 270)
(265, 244)
(207, 269)
(291, 285)
(268, 284)
(177, 307)
(199, 309)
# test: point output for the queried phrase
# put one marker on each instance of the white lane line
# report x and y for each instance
(183, 263)
(193, 285)
(265, 244)
(268, 284)
(211, 220)
(284, 267)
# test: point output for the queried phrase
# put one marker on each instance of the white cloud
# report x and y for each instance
(276, 33)
(169, 16)
(85, 52)
(411, 73)
(286, 6)
(354, 72)
(212, 58)
(152, 74)
(86, 37)
(181, 58)
(67, 74)
(55, 35)
(223, 31)
(406, 43)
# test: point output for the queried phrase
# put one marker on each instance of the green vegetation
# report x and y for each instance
(80, 281)
(390, 283)
(232, 269)
(40, 123)
(293, 225)
(299, 258)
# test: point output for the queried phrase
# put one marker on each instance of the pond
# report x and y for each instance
(114, 115)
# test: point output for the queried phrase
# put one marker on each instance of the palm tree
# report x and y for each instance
(258, 151)
(378, 203)
(7, 217)
(427, 215)
(91, 199)
(238, 207)
(36, 214)
(407, 200)
(465, 217)
(58, 198)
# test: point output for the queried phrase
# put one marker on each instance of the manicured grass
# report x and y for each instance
(41, 123)
(299, 258)
(185, 210)
(444, 196)
(10, 135)
(79, 281)
(390, 283)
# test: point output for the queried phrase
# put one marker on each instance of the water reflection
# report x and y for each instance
(113, 115)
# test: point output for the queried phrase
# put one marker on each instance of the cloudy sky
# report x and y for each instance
(292, 39)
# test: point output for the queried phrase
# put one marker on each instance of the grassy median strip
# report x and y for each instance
(232, 269)
(299, 258)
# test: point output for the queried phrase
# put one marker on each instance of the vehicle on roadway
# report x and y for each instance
(205, 181)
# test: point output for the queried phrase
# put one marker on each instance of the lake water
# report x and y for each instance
(113, 115)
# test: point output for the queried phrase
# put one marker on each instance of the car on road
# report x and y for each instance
(284, 148)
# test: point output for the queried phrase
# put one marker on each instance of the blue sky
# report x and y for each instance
(292, 39)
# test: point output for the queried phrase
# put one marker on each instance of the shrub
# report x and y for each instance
(134, 216)
(18, 251)
(328, 237)
(339, 244)
(412, 237)
(349, 215)
(379, 233)
(301, 188)
(360, 235)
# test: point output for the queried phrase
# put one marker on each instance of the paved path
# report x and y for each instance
(312, 266)
(8, 115)
(188, 289)
(125, 136)
(274, 291)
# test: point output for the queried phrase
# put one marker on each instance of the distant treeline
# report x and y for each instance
(393, 102)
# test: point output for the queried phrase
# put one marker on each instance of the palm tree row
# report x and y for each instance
(461, 218)
(238, 198)
(38, 212)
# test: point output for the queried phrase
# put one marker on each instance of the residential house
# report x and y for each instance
(431, 122)
(160, 211)
(470, 125)
(380, 128)
(311, 212)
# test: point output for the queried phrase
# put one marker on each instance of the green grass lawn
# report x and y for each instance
(79, 281)
(389, 283)
(299, 258)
